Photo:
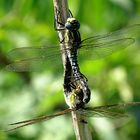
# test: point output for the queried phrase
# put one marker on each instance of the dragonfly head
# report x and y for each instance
(72, 24)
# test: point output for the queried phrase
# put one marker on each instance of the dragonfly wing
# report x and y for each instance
(132, 31)
(104, 45)
(38, 119)
(102, 50)
(102, 113)
(33, 59)
(111, 111)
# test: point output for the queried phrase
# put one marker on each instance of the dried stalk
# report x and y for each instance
(80, 124)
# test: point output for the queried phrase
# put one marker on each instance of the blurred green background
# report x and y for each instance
(114, 79)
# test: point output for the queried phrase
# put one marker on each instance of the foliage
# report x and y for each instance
(112, 80)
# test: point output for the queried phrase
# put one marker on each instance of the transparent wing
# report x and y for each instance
(111, 111)
(103, 45)
(100, 111)
(38, 119)
(97, 51)
(33, 59)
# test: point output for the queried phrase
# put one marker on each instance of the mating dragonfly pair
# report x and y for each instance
(30, 58)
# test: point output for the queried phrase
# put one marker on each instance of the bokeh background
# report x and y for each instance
(114, 79)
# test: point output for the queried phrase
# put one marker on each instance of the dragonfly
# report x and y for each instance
(111, 111)
(34, 58)
(95, 47)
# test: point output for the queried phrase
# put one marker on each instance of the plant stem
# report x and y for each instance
(79, 122)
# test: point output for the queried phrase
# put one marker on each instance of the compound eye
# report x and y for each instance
(69, 26)
(77, 25)
(72, 24)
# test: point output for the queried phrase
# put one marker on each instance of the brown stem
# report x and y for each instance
(61, 14)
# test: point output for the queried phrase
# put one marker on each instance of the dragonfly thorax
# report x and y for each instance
(72, 24)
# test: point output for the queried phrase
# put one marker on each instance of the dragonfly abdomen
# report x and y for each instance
(80, 79)
(72, 41)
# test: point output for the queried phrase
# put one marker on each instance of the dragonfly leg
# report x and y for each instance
(76, 93)
(86, 97)
(72, 85)
(56, 21)
(61, 26)
(85, 77)
(81, 81)
(70, 13)
(85, 89)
